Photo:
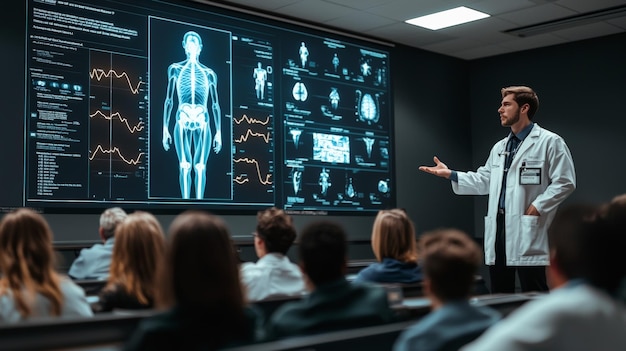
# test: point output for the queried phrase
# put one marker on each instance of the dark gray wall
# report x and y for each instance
(581, 88)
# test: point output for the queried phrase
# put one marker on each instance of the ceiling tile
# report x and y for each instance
(322, 13)
(619, 22)
(587, 5)
(408, 34)
(360, 21)
(480, 51)
(359, 4)
(407, 9)
(537, 14)
(265, 4)
(591, 30)
(534, 42)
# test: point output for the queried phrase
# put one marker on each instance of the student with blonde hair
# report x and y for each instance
(395, 247)
(139, 249)
(29, 285)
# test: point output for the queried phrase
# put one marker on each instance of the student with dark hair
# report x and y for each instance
(95, 262)
(450, 261)
(333, 303)
(200, 290)
(273, 274)
(394, 245)
(29, 285)
(139, 249)
(581, 312)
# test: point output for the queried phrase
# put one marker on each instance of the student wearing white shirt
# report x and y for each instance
(273, 274)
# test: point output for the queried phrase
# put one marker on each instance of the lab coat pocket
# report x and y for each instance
(531, 242)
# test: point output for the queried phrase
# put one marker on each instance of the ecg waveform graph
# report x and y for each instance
(99, 74)
(242, 179)
(252, 120)
(116, 150)
(250, 133)
(136, 128)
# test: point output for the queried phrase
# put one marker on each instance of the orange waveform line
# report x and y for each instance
(258, 171)
(137, 128)
(98, 73)
(116, 150)
(250, 133)
(241, 179)
(252, 120)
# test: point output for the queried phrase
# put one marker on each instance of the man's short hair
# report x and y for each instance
(450, 260)
(523, 95)
(109, 219)
(276, 229)
(323, 251)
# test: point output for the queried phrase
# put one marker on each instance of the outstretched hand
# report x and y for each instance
(439, 169)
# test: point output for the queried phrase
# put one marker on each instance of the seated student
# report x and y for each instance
(587, 265)
(394, 245)
(450, 260)
(200, 289)
(29, 285)
(139, 249)
(273, 274)
(94, 262)
(333, 303)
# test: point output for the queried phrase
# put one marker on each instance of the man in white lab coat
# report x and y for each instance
(527, 176)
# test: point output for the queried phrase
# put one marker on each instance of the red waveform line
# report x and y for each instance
(241, 179)
(267, 180)
(137, 128)
(250, 133)
(252, 120)
(98, 73)
(116, 150)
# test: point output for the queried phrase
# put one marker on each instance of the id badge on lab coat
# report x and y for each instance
(529, 176)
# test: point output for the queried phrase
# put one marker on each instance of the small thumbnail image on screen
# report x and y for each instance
(331, 148)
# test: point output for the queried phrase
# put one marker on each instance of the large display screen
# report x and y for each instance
(171, 105)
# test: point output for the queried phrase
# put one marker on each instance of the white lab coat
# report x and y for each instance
(526, 236)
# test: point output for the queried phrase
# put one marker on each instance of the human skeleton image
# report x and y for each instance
(195, 87)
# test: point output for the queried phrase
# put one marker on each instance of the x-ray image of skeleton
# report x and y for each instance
(304, 54)
(195, 86)
(260, 76)
(333, 97)
(324, 181)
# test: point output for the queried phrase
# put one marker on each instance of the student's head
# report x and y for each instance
(27, 260)
(138, 251)
(588, 242)
(393, 236)
(275, 231)
(523, 95)
(450, 261)
(201, 266)
(323, 252)
(109, 219)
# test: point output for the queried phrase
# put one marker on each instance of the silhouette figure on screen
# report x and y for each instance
(196, 86)
(335, 61)
(304, 54)
(324, 181)
(260, 76)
